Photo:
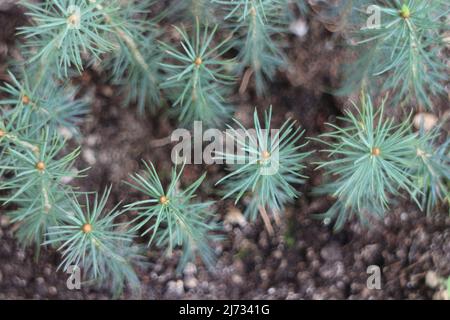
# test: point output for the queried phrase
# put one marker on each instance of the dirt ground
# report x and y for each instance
(305, 259)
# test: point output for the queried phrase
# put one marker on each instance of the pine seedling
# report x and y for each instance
(197, 77)
(404, 54)
(266, 165)
(93, 240)
(44, 103)
(433, 169)
(369, 160)
(172, 217)
(64, 31)
(254, 24)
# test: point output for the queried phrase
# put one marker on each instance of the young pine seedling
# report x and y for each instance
(172, 217)
(62, 31)
(369, 160)
(404, 54)
(92, 240)
(44, 103)
(197, 77)
(266, 166)
(254, 24)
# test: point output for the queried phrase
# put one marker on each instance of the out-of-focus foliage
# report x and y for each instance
(400, 47)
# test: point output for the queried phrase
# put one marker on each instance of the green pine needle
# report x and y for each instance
(35, 173)
(37, 211)
(38, 165)
(45, 103)
(134, 63)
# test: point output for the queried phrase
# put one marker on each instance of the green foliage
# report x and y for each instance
(92, 240)
(433, 169)
(45, 103)
(134, 63)
(37, 166)
(36, 171)
(370, 158)
(63, 30)
(404, 54)
(254, 24)
(176, 219)
(267, 164)
(68, 33)
(11, 127)
(197, 78)
(38, 210)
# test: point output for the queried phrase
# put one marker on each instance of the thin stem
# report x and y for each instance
(276, 217)
(266, 220)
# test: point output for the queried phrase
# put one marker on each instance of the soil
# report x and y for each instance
(305, 259)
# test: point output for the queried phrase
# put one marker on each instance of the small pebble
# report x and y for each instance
(425, 119)
(53, 291)
(299, 28)
(190, 282)
(175, 288)
(432, 279)
(89, 156)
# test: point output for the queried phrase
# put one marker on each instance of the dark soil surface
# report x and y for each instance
(305, 259)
